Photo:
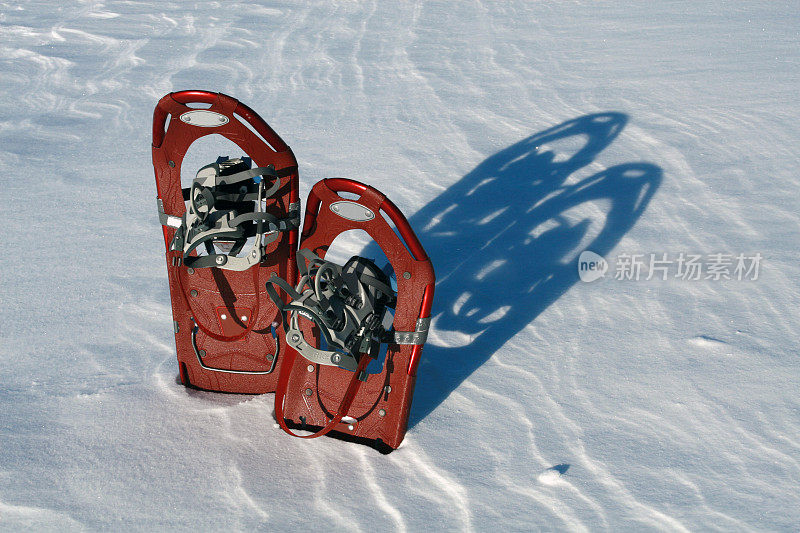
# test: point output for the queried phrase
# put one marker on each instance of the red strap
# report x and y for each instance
(344, 406)
(217, 336)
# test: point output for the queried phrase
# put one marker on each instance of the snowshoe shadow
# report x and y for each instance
(504, 241)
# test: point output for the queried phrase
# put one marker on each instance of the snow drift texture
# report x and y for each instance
(514, 135)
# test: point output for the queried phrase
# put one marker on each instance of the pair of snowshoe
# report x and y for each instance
(256, 311)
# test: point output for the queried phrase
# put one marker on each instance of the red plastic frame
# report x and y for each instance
(381, 406)
(241, 345)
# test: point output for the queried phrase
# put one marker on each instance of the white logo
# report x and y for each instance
(591, 266)
(204, 118)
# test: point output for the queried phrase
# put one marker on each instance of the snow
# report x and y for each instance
(514, 135)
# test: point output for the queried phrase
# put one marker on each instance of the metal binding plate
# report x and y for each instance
(418, 336)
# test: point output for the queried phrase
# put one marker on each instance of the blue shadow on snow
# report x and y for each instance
(504, 247)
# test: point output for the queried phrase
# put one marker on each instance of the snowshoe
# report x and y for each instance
(225, 235)
(335, 319)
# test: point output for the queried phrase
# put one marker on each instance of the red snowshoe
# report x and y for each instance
(336, 320)
(225, 236)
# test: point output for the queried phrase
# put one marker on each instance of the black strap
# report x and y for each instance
(273, 221)
(225, 183)
(285, 287)
(331, 314)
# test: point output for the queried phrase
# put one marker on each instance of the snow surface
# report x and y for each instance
(514, 135)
